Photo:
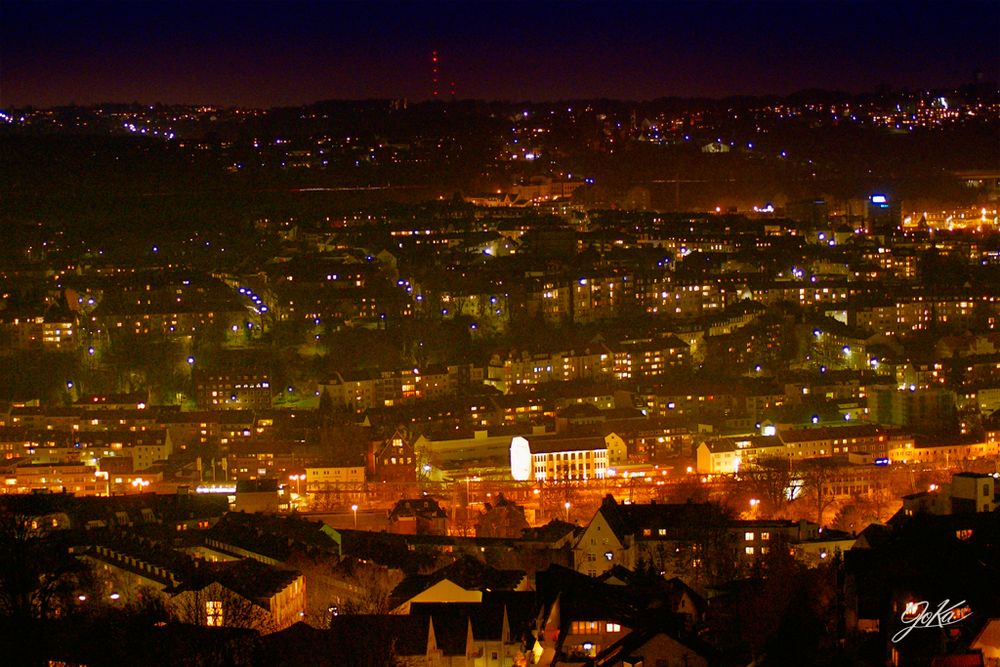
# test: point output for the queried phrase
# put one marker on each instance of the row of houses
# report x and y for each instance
(678, 539)
(862, 443)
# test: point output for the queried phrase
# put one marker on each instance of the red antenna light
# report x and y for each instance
(436, 78)
(434, 71)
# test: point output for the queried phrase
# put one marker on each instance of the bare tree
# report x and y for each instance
(38, 575)
(371, 587)
(769, 478)
(816, 476)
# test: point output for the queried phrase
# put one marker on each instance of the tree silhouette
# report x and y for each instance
(769, 478)
(816, 475)
(38, 577)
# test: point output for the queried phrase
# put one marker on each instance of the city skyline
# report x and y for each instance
(487, 334)
(288, 54)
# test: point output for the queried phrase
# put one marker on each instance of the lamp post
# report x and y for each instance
(466, 527)
(566, 506)
(354, 508)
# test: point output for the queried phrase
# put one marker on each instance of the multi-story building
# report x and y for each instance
(75, 478)
(506, 371)
(725, 456)
(560, 459)
(334, 478)
(626, 535)
(674, 538)
(393, 459)
(41, 332)
(235, 382)
(947, 453)
(364, 390)
(648, 358)
(652, 439)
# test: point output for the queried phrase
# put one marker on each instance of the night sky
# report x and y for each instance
(281, 53)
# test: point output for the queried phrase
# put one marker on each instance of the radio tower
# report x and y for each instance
(436, 78)
(434, 71)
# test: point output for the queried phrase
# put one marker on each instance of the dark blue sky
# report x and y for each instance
(275, 53)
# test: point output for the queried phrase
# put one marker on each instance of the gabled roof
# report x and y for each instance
(82, 510)
(635, 640)
(829, 433)
(618, 575)
(273, 536)
(579, 410)
(426, 506)
(553, 531)
(486, 619)
(585, 598)
(678, 588)
(677, 519)
(451, 633)
(733, 444)
(248, 577)
(467, 573)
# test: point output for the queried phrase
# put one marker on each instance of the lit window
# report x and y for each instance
(213, 613)
(748, 537)
(765, 536)
(612, 627)
(749, 551)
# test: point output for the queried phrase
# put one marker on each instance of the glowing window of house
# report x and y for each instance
(662, 531)
(748, 537)
(213, 613)
(749, 551)
(646, 532)
(765, 536)
(612, 627)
